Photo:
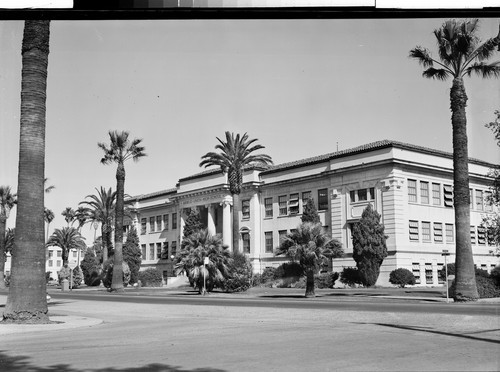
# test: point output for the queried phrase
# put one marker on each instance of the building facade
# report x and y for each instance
(411, 187)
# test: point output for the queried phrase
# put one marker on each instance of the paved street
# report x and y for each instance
(169, 336)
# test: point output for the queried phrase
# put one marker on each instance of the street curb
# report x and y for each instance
(63, 322)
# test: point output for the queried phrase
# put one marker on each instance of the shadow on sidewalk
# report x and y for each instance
(428, 330)
(22, 363)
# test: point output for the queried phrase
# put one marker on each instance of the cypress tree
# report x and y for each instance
(132, 254)
(310, 213)
(193, 224)
(369, 246)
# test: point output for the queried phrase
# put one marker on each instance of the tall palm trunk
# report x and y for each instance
(104, 240)
(465, 274)
(27, 301)
(3, 221)
(236, 223)
(310, 283)
(117, 281)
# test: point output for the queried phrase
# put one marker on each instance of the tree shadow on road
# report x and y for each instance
(427, 330)
(22, 363)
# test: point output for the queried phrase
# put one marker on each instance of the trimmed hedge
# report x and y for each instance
(401, 277)
(350, 276)
(321, 281)
(151, 277)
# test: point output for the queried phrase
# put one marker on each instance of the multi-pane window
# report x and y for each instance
(436, 194)
(481, 235)
(165, 250)
(143, 251)
(322, 199)
(428, 274)
(268, 205)
(424, 192)
(51, 254)
(174, 221)
(174, 248)
(158, 223)
(306, 195)
(74, 254)
(413, 229)
(412, 191)
(283, 205)
(479, 200)
(415, 269)
(245, 209)
(448, 196)
(165, 222)
(362, 195)
(269, 241)
(450, 234)
(51, 263)
(143, 225)
(151, 251)
(473, 235)
(426, 231)
(151, 224)
(294, 203)
(59, 254)
(488, 206)
(282, 235)
(158, 250)
(246, 242)
(58, 263)
(438, 232)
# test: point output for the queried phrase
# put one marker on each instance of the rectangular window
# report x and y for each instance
(488, 206)
(58, 263)
(436, 194)
(74, 254)
(413, 226)
(412, 191)
(322, 199)
(481, 235)
(424, 192)
(426, 231)
(294, 203)
(362, 195)
(269, 241)
(473, 235)
(158, 250)
(438, 232)
(245, 209)
(165, 222)
(165, 251)
(151, 251)
(448, 196)
(174, 248)
(174, 221)
(246, 242)
(450, 234)
(415, 269)
(51, 263)
(51, 254)
(282, 201)
(428, 274)
(281, 234)
(479, 200)
(59, 254)
(371, 193)
(352, 196)
(306, 195)
(143, 251)
(151, 224)
(143, 225)
(268, 204)
(158, 223)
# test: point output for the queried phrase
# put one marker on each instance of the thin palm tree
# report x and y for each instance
(81, 216)
(461, 53)
(100, 209)
(48, 216)
(7, 202)
(27, 300)
(67, 238)
(200, 245)
(235, 154)
(69, 215)
(310, 246)
(119, 151)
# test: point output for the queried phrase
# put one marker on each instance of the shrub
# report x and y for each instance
(107, 273)
(350, 276)
(321, 281)
(289, 270)
(442, 272)
(77, 277)
(401, 277)
(240, 274)
(91, 269)
(268, 274)
(151, 277)
(486, 287)
(495, 275)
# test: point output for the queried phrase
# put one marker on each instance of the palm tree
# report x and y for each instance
(191, 260)
(119, 151)
(310, 246)
(9, 240)
(461, 53)
(48, 216)
(48, 189)
(234, 156)
(27, 300)
(81, 216)
(7, 202)
(69, 215)
(101, 209)
(67, 238)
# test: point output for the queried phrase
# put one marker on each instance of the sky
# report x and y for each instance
(301, 87)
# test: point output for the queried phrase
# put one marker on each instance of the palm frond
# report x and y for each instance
(422, 55)
(436, 73)
(484, 70)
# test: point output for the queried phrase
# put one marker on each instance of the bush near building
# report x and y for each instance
(107, 273)
(350, 276)
(91, 269)
(151, 277)
(321, 281)
(401, 277)
(487, 283)
(240, 274)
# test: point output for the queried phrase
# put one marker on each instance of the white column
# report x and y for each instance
(182, 223)
(211, 219)
(226, 223)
